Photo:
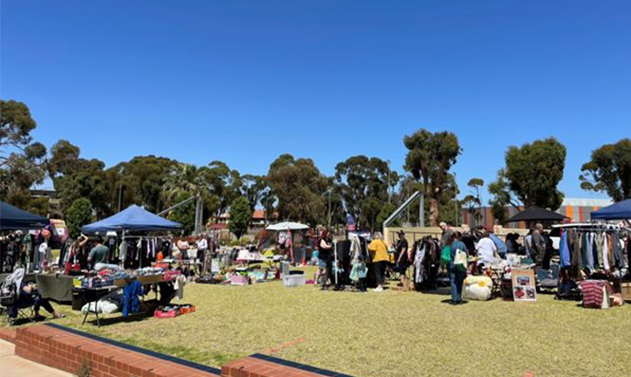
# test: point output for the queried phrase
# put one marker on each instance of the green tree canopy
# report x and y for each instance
(474, 201)
(609, 170)
(22, 161)
(184, 214)
(363, 184)
(225, 184)
(299, 187)
(79, 214)
(16, 125)
(430, 157)
(532, 174)
(254, 188)
(142, 180)
(240, 216)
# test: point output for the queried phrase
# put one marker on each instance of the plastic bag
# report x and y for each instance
(445, 257)
(477, 288)
(460, 260)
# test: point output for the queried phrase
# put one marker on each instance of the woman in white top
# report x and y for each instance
(486, 250)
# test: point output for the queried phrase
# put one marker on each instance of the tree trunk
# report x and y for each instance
(434, 212)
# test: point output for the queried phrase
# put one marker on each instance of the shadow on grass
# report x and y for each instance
(448, 301)
(105, 321)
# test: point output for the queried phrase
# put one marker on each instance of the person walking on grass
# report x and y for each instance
(456, 275)
(325, 248)
(404, 261)
(380, 259)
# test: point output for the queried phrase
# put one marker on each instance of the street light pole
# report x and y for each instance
(389, 182)
(120, 196)
(456, 200)
(329, 209)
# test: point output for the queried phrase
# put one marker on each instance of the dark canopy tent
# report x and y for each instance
(14, 218)
(134, 218)
(535, 213)
(617, 211)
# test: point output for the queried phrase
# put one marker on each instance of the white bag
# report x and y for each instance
(477, 288)
(460, 260)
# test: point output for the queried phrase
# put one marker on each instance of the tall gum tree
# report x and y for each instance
(430, 157)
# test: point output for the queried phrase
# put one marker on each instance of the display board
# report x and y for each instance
(524, 285)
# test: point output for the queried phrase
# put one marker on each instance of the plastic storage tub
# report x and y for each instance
(294, 280)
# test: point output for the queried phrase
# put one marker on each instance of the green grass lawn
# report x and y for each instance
(391, 333)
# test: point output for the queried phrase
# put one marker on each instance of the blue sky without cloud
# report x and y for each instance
(244, 81)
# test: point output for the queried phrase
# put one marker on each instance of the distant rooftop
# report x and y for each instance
(586, 202)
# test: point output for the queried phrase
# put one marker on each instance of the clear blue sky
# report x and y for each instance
(244, 81)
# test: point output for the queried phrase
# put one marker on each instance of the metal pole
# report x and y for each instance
(422, 210)
(456, 200)
(408, 194)
(389, 181)
(120, 196)
(329, 209)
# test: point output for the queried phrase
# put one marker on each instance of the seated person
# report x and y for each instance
(486, 250)
(30, 297)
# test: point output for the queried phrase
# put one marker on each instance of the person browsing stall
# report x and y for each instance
(404, 261)
(538, 245)
(99, 253)
(486, 250)
(456, 275)
(447, 233)
(380, 259)
(325, 247)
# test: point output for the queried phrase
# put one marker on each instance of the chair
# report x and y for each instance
(18, 311)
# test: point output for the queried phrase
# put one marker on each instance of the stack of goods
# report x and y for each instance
(104, 278)
(171, 275)
(174, 310)
(149, 271)
(598, 294)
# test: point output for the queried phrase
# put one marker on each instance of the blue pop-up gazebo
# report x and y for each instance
(617, 211)
(134, 218)
(14, 218)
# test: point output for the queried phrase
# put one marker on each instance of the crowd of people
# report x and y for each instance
(480, 246)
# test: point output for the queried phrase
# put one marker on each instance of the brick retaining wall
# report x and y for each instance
(67, 350)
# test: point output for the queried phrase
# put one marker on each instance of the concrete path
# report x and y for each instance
(12, 365)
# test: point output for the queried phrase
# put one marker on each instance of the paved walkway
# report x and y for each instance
(12, 365)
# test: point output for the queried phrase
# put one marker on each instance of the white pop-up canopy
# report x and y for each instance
(287, 225)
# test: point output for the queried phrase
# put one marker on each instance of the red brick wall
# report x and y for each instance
(66, 351)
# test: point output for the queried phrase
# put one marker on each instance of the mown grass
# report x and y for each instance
(386, 334)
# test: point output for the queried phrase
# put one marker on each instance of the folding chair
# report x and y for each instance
(22, 313)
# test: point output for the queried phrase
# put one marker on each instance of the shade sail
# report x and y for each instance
(14, 218)
(617, 211)
(287, 225)
(535, 213)
(133, 218)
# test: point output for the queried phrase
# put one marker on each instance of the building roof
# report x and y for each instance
(586, 202)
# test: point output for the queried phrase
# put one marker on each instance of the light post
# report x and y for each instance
(389, 182)
(329, 192)
(120, 189)
(456, 201)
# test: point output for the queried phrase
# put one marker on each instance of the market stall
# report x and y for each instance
(16, 245)
(134, 225)
(286, 232)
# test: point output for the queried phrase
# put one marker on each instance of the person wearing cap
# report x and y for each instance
(404, 260)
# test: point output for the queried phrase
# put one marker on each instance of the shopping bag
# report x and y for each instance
(460, 260)
(445, 257)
